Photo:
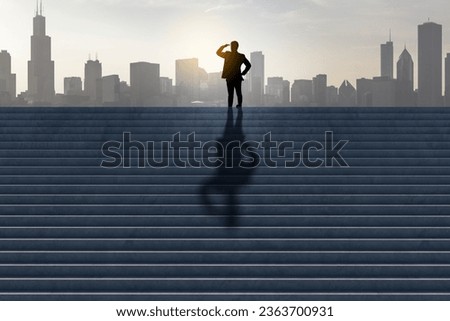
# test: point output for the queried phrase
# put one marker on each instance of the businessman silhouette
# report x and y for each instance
(232, 71)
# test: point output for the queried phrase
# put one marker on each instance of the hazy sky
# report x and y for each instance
(300, 38)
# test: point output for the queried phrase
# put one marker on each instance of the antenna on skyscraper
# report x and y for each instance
(390, 35)
(41, 7)
(96, 56)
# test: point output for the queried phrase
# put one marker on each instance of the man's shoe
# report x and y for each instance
(239, 106)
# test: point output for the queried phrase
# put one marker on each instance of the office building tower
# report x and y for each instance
(383, 92)
(145, 84)
(188, 79)
(364, 92)
(332, 96)
(405, 80)
(73, 86)
(256, 78)
(41, 68)
(302, 92)
(347, 94)
(110, 90)
(387, 59)
(447, 80)
(286, 96)
(430, 65)
(92, 81)
(7, 79)
(320, 90)
(217, 91)
(274, 90)
(166, 85)
(124, 94)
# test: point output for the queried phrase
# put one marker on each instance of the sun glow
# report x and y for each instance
(199, 37)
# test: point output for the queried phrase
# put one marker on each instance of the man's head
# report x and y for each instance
(234, 46)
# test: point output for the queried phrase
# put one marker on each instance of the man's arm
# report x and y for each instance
(220, 52)
(248, 65)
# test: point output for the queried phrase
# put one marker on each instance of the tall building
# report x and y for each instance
(387, 59)
(320, 90)
(217, 91)
(110, 90)
(286, 93)
(257, 77)
(347, 94)
(447, 80)
(7, 79)
(383, 92)
(302, 92)
(364, 92)
(92, 81)
(73, 86)
(145, 84)
(274, 90)
(166, 85)
(332, 96)
(41, 68)
(405, 80)
(188, 77)
(430, 64)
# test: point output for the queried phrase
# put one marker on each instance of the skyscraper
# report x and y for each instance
(166, 85)
(41, 68)
(73, 86)
(387, 59)
(364, 92)
(286, 93)
(347, 94)
(320, 90)
(274, 90)
(383, 92)
(7, 79)
(256, 77)
(144, 83)
(188, 76)
(332, 96)
(110, 90)
(302, 92)
(447, 80)
(405, 80)
(92, 81)
(430, 64)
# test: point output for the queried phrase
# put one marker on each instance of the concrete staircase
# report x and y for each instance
(376, 230)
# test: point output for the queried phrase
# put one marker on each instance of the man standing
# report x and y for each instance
(232, 71)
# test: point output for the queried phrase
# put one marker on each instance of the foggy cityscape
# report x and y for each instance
(194, 86)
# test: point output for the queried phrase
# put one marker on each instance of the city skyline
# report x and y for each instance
(66, 23)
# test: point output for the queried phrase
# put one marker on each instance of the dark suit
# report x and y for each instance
(232, 73)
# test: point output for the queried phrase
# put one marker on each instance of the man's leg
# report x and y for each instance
(230, 87)
(238, 86)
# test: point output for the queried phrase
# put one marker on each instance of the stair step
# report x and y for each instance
(248, 257)
(223, 231)
(225, 285)
(227, 244)
(182, 189)
(202, 136)
(224, 270)
(213, 220)
(145, 209)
